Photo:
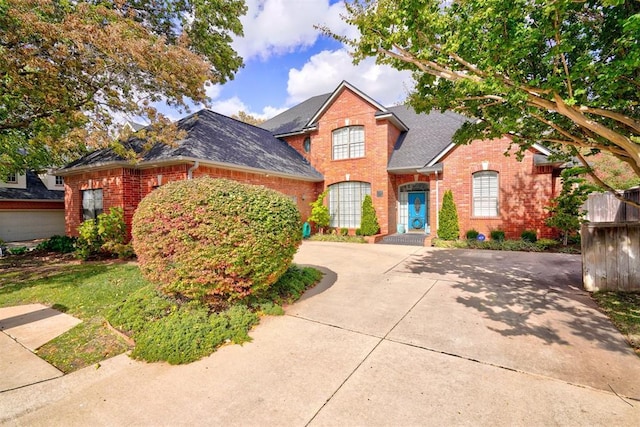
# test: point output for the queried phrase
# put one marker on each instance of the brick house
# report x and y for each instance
(31, 206)
(345, 142)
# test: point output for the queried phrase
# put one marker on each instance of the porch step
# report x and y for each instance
(406, 239)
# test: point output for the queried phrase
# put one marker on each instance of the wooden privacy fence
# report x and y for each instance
(611, 243)
(611, 256)
(604, 207)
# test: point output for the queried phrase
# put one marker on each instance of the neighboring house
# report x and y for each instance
(345, 142)
(31, 207)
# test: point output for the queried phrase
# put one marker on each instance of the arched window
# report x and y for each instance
(345, 203)
(348, 142)
(485, 193)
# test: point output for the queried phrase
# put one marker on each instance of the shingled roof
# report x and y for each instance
(428, 135)
(295, 118)
(216, 139)
(36, 190)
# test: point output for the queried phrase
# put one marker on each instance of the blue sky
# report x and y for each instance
(287, 60)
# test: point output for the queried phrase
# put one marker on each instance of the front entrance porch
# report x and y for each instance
(413, 208)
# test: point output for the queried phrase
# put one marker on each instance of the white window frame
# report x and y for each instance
(345, 203)
(59, 181)
(347, 143)
(486, 194)
(12, 178)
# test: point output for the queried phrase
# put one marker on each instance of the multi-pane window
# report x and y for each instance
(345, 203)
(485, 193)
(12, 178)
(348, 142)
(91, 204)
(59, 180)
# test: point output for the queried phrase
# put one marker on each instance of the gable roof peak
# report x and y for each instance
(336, 93)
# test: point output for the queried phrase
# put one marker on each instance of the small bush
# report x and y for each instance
(215, 240)
(472, 234)
(107, 234)
(546, 244)
(497, 235)
(18, 251)
(319, 212)
(60, 244)
(449, 228)
(344, 231)
(529, 236)
(369, 225)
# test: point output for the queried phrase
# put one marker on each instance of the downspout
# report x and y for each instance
(437, 203)
(195, 166)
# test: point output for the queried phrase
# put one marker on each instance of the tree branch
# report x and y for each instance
(603, 184)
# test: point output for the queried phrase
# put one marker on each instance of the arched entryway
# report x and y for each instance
(413, 207)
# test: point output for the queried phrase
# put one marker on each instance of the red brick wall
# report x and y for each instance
(127, 187)
(348, 109)
(524, 190)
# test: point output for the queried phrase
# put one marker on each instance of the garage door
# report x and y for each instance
(29, 225)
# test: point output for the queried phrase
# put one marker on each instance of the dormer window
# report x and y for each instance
(12, 178)
(348, 142)
(59, 181)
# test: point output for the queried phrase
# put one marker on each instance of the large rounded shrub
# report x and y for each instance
(215, 240)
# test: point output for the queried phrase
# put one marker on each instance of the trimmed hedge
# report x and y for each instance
(215, 240)
(449, 228)
(369, 223)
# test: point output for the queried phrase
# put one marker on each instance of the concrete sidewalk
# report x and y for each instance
(394, 335)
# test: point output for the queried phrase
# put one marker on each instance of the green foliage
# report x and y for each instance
(624, 310)
(62, 61)
(60, 244)
(546, 244)
(369, 225)
(20, 250)
(541, 245)
(335, 238)
(165, 329)
(107, 234)
(215, 240)
(86, 291)
(188, 334)
(344, 231)
(319, 212)
(561, 72)
(449, 228)
(566, 209)
(497, 235)
(529, 236)
(288, 288)
(472, 234)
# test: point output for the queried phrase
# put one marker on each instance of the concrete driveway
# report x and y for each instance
(393, 335)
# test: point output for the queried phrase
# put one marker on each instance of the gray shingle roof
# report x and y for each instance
(428, 134)
(36, 190)
(294, 119)
(215, 138)
(427, 137)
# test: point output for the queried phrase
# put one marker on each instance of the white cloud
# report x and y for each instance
(233, 105)
(324, 71)
(274, 27)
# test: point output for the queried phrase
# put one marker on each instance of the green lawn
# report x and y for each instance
(623, 308)
(164, 329)
(86, 291)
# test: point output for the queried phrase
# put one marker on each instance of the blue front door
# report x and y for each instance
(417, 210)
